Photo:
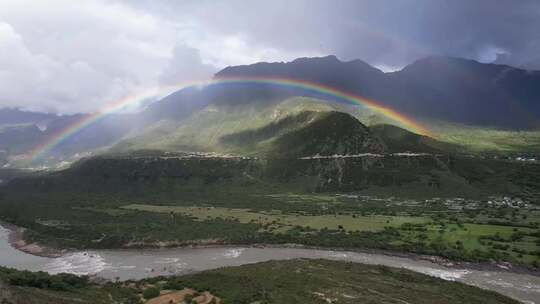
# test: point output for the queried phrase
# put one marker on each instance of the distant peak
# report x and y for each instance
(329, 58)
(309, 67)
(438, 60)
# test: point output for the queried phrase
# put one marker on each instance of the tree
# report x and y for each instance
(150, 293)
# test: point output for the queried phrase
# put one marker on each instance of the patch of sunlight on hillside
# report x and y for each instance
(485, 139)
(203, 129)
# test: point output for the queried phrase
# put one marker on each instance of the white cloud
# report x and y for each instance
(184, 66)
(230, 50)
(71, 56)
(388, 68)
(489, 54)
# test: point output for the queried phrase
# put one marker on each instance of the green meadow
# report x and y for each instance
(278, 221)
(438, 227)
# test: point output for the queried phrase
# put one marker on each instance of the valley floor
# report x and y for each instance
(495, 229)
(456, 207)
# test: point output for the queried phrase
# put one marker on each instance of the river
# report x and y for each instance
(137, 264)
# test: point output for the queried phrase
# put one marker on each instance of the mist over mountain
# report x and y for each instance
(18, 116)
(22, 131)
(466, 91)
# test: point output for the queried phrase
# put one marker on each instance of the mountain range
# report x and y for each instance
(251, 118)
(442, 88)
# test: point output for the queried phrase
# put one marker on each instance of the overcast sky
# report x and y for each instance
(68, 56)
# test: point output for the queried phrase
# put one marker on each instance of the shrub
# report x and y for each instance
(173, 285)
(150, 293)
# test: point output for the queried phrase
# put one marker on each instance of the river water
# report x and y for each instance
(137, 264)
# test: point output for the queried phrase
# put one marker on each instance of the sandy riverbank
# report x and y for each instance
(16, 240)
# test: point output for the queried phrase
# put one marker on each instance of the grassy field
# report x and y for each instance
(505, 241)
(280, 222)
(482, 238)
(496, 228)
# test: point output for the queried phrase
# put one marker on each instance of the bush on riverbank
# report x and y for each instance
(26, 287)
(43, 280)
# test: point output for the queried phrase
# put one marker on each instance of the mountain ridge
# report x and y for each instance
(437, 87)
(434, 88)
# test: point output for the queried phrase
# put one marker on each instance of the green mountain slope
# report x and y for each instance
(331, 133)
(398, 140)
(254, 138)
(210, 129)
(306, 134)
(296, 127)
(485, 139)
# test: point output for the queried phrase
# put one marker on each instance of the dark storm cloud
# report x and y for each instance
(390, 33)
(69, 56)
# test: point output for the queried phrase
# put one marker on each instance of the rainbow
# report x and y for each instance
(119, 104)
